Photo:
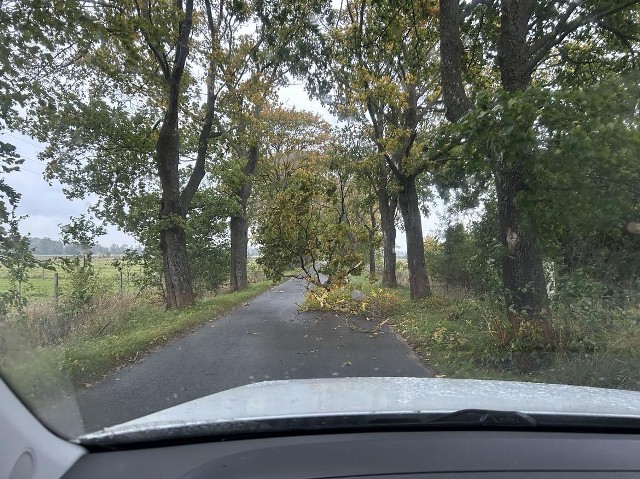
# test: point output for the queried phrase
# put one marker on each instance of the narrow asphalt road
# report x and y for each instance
(265, 339)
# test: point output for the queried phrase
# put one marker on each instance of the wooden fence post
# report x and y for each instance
(121, 280)
(55, 285)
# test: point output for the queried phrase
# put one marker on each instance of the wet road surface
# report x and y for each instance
(265, 339)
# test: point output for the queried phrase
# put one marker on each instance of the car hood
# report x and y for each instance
(299, 398)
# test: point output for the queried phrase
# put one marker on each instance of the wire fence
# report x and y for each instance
(49, 283)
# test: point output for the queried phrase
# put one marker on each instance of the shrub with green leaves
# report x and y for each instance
(17, 257)
(306, 227)
(83, 286)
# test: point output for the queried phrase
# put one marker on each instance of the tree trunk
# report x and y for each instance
(177, 275)
(513, 60)
(387, 205)
(522, 271)
(409, 207)
(372, 246)
(239, 227)
(455, 98)
(372, 258)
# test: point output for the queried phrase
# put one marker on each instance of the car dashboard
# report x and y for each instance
(398, 454)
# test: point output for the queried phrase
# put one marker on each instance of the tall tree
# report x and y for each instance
(24, 39)
(254, 57)
(27, 37)
(383, 69)
(359, 157)
(310, 223)
(517, 42)
(124, 109)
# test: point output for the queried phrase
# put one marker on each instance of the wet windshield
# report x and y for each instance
(202, 195)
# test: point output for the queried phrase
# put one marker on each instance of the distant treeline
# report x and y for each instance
(50, 247)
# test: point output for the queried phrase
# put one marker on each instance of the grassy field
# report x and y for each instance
(41, 280)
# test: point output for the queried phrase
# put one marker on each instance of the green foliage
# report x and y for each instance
(31, 30)
(207, 241)
(468, 258)
(611, 259)
(82, 231)
(379, 77)
(288, 229)
(9, 197)
(448, 261)
(144, 269)
(577, 152)
(307, 226)
(587, 173)
(17, 257)
(83, 286)
(593, 304)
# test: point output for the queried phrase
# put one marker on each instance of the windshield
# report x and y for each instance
(314, 208)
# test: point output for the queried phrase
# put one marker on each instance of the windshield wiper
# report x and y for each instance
(464, 419)
(484, 417)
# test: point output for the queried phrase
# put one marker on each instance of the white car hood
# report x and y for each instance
(298, 398)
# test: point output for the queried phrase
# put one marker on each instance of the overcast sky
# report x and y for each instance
(46, 206)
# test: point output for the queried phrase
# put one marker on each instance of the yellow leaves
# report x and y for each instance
(439, 335)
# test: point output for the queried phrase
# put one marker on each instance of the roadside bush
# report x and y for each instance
(209, 267)
(255, 272)
(402, 272)
(464, 260)
(144, 268)
(208, 242)
(83, 287)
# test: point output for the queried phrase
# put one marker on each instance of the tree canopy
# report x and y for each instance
(168, 115)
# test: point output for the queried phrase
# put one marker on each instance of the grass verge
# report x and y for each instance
(84, 359)
(464, 338)
(461, 336)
